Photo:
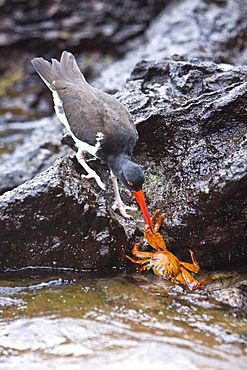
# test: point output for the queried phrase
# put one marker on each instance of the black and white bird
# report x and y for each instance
(98, 123)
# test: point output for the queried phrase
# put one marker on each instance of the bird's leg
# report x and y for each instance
(91, 174)
(118, 203)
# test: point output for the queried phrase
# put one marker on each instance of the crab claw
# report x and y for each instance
(153, 237)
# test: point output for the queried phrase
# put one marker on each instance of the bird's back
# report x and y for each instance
(90, 113)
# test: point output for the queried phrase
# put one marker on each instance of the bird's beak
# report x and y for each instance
(141, 201)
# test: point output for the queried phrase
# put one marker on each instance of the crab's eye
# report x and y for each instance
(130, 183)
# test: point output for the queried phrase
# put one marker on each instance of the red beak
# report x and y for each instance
(141, 201)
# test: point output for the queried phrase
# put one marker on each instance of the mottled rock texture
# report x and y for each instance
(191, 119)
(56, 220)
(192, 123)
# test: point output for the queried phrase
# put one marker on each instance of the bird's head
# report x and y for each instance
(132, 176)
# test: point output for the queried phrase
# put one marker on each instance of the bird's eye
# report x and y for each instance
(130, 183)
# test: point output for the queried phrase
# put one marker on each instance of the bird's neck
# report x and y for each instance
(116, 163)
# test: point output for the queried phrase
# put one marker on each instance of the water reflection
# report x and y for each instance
(74, 321)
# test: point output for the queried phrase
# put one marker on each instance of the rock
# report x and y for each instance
(97, 32)
(192, 140)
(233, 292)
(57, 220)
(191, 119)
(37, 153)
(205, 29)
(107, 25)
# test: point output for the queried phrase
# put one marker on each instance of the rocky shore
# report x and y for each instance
(185, 85)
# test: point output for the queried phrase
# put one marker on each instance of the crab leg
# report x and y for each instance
(194, 260)
(137, 253)
(158, 223)
(192, 283)
(142, 268)
(188, 279)
(178, 279)
(153, 236)
(160, 220)
(208, 279)
(139, 262)
(192, 267)
(153, 218)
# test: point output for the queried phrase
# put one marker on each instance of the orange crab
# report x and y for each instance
(163, 262)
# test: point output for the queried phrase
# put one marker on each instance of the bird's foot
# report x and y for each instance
(93, 175)
(122, 208)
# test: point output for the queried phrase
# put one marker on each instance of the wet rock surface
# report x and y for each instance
(57, 220)
(205, 29)
(234, 296)
(97, 32)
(197, 163)
(191, 119)
(107, 25)
(38, 151)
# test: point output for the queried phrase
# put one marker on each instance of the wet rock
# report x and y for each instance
(210, 30)
(191, 118)
(97, 32)
(192, 141)
(234, 296)
(37, 153)
(108, 25)
(57, 220)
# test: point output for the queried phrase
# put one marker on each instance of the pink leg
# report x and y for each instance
(118, 203)
(91, 174)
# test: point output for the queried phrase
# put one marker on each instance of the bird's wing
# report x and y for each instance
(89, 111)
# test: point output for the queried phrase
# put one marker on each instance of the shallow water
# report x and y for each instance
(54, 320)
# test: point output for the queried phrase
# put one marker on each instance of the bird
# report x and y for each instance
(98, 123)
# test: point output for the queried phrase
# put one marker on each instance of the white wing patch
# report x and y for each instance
(81, 145)
(99, 138)
(59, 109)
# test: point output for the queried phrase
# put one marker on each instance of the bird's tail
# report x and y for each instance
(51, 73)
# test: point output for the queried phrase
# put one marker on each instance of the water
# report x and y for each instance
(73, 321)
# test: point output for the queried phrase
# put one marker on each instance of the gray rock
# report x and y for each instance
(37, 153)
(210, 30)
(57, 220)
(97, 32)
(191, 119)
(192, 138)
(106, 25)
(234, 295)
